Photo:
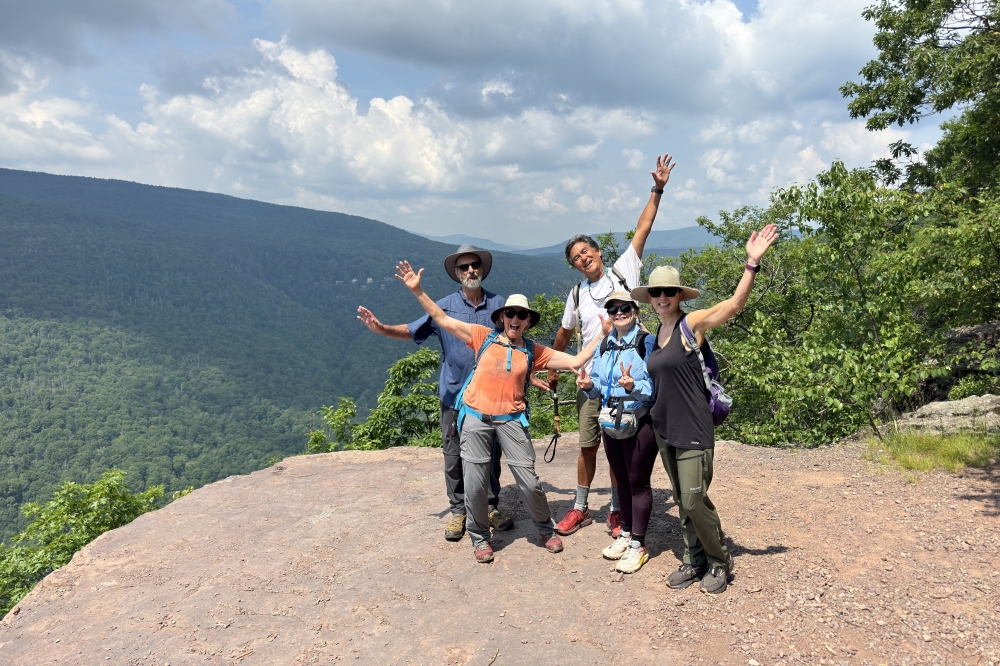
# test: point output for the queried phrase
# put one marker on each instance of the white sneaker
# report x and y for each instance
(618, 548)
(633, 559)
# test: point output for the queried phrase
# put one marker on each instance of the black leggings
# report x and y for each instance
(632, 461)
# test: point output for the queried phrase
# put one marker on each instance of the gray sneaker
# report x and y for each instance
(716, 580)
(685, 576)
(500, 521)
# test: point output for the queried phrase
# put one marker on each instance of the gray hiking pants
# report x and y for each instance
(452, 449)
(477, 447)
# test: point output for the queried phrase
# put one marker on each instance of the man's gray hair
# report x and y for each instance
(580, 238)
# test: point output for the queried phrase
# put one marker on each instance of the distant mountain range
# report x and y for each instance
(665, 242)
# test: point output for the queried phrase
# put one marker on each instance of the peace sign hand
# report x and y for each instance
(626, 381)
(583, 380)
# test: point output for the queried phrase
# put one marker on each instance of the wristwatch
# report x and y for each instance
(656, 191)
(753, 269)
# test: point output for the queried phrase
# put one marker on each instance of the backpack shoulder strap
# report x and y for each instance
(693, 344)
(641, 344)
(491, 337)
(621, 278)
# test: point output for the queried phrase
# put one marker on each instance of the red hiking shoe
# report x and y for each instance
(483, 552)
(553, 544)
(615, 523)
(573, 520)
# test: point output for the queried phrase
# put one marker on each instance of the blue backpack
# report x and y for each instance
(525, 416)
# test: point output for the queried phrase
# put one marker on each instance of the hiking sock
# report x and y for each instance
(615, 506)
(641, 538)
(581, 498)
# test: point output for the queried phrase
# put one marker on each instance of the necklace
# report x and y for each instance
(607, 272)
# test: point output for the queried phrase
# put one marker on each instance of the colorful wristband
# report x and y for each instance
(753, 269)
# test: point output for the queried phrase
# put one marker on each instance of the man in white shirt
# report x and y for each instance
(585, 306)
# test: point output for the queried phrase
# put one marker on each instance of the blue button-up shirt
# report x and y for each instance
(458, 357)
(607, 370)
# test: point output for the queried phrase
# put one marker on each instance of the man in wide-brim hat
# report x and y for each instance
(468, 266)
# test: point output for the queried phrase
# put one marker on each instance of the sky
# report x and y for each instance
(522, 121)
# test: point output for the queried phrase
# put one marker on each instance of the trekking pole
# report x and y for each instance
(555, 436)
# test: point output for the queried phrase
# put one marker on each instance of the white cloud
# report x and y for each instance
(634, 158)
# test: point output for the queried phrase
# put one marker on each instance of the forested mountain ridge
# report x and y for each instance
(185, 336)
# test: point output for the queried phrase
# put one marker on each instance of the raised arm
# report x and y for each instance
(702, 320)
(460, 329)
(661, 175)
(563, 361)
(394, 331)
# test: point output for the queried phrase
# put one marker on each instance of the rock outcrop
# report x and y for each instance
(977, 413)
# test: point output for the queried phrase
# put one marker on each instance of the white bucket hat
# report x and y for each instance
(664, 276)
(622, 296)
(517, 301)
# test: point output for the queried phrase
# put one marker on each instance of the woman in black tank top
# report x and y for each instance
(682, 419)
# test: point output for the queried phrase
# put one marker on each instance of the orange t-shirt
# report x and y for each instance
(494, 390)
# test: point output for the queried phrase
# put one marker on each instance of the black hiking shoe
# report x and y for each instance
(685, 576)
(717, 579)
(500, 521)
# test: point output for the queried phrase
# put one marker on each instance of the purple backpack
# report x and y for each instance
(719, 401)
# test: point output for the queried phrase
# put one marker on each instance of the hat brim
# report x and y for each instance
(452, 259)
(641, 294)
(532, 320)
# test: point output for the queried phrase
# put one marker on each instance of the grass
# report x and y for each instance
(922, 453)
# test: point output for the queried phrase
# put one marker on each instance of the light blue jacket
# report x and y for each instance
(607, 370)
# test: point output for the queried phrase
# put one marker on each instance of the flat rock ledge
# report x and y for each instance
(977, 413)
(340, 558)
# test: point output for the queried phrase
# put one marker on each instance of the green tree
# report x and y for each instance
(408, 412)
(936, 56)
(74, 516)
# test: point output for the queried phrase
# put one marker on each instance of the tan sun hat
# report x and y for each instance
(622, 296)
(664, 276)
(517, 301)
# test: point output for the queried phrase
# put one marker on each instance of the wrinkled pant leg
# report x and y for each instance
(694, 554)
(640, 457)
(694, 471)
(520, 453)
(614, 449)
(495, 469)
(451, 447)
(477, 447)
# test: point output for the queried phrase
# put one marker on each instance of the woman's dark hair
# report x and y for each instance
(581, 238)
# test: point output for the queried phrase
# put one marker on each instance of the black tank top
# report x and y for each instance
(680, 412)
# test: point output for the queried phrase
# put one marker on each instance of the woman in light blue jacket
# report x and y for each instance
(618, 376)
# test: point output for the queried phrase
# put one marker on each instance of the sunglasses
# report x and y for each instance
(510, 313)
(475, 265)
(624, 308)
(669, 292)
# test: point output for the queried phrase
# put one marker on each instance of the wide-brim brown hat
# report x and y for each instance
(664, 276)
(517, 301)
(452, 259)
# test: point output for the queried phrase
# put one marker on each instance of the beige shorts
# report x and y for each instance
(588, 410)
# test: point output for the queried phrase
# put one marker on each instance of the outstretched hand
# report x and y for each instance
(583, 380)
(369, 319)
(760, 241)
(626, 381)
(405, 274)
(664, 165)
(606, 324)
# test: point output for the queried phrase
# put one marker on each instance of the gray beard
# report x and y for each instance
(471, 283)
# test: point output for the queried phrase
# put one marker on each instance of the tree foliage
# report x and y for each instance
(74, 516)
(936, 56)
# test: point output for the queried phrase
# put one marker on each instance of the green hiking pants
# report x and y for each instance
(690, 472)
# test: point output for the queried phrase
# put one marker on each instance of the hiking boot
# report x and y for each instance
(553, 543)
(483, 552)
(633, 559)
(617, 548)
(574, 520)
(716, 580)
(615, 523)
(500, 521)
(455, 529)
(685, 576)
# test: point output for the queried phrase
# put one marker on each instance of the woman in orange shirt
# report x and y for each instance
(493, 403)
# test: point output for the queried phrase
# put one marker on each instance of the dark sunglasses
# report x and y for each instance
(510, 313)
(624, 308)
(475, 265)
(669, 292)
